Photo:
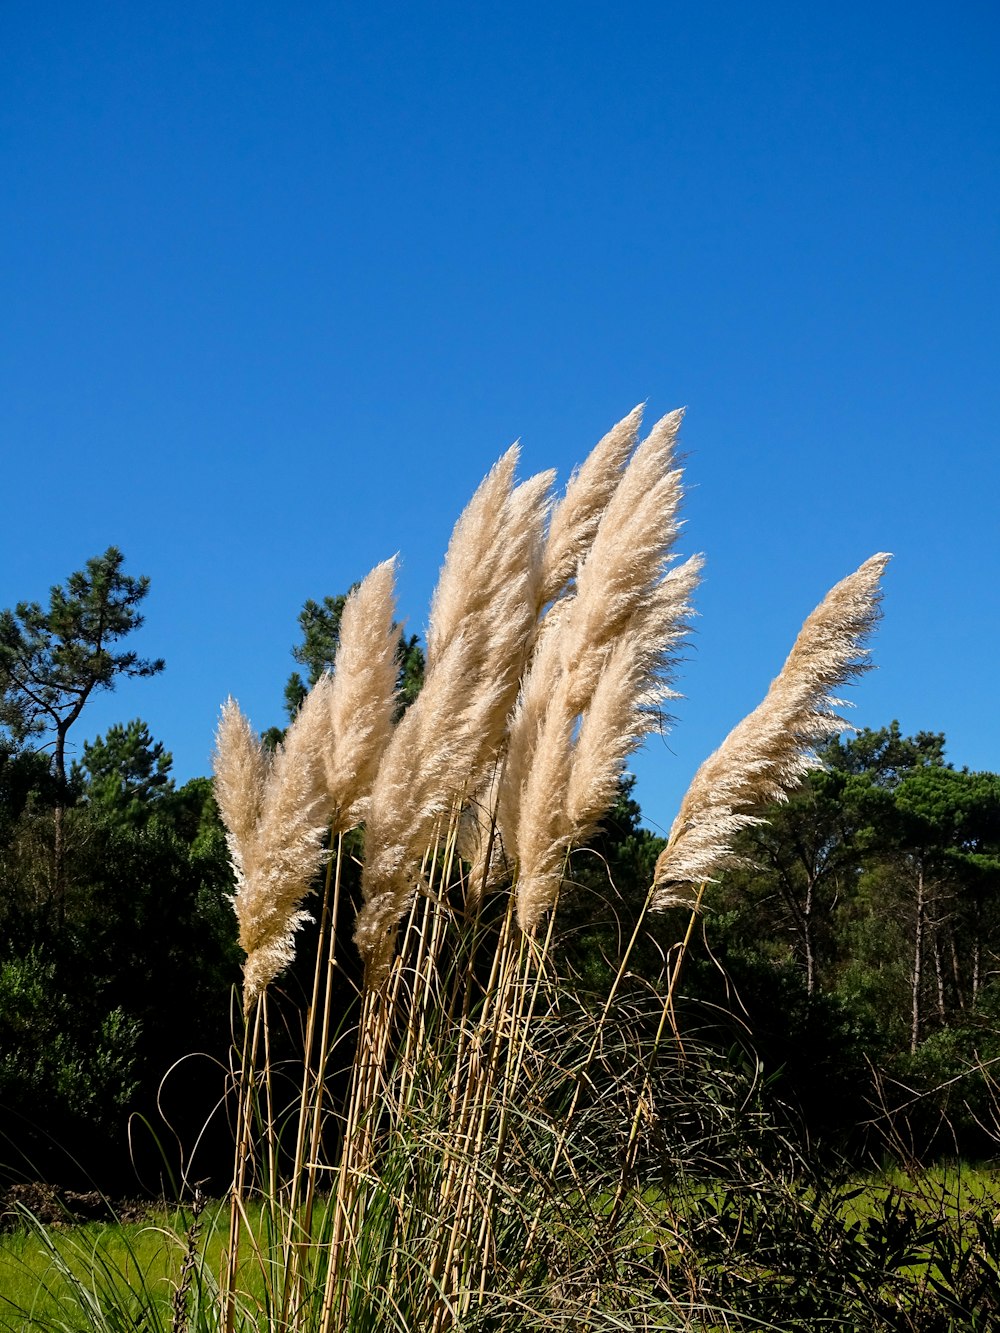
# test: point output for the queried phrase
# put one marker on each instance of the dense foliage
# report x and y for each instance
(855, 949)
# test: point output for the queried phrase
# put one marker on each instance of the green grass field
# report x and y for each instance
(73, 1277)
(123, 1278)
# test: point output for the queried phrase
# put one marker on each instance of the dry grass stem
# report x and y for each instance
(767, 754)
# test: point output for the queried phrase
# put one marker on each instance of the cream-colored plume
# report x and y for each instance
(576, 516)
(626, 560)
(477, 839)
(362, 697)
(277, 811)
(241, 768)
(572, 529)
(482, 621)
(275, 855)
(767, 754)
(629, 697)
(597, 675)
(579, 760)
(629, 555)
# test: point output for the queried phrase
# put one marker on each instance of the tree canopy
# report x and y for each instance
(52, 659)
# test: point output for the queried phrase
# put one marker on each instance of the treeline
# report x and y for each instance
(117, 950)
(853, 949)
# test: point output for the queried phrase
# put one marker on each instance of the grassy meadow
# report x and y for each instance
(127, 1276)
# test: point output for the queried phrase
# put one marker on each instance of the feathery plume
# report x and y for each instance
(625, 619)
(577, 766)
(629, 555)
(572, 530)
(241, 767)
(767, 754)
(627, 703)
(576, 516)
(473, 544)
(477, 840)
(627, 558)
(483, 616)
(275, 855)
(430, 751)
(362, 697)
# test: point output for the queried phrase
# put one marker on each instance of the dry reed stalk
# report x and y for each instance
(463, 1155)
(644, 1101)
(481, 625)
(244, 1124)
(767, 754)
(368, 1090)
(491, 1021)
(351, 1161)
(376, 1108)
(425, 994)
(309, 1125)
(535, 963)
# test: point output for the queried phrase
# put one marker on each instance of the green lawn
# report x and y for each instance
(104, 1278)
(62, 1277)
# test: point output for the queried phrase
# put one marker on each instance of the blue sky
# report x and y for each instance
(279, 283)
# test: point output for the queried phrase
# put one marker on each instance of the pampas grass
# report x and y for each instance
(599, 674)
(473, 1175)
(276, 813)
(576, 517)
(362, 699)
(767, 754)
(482, 620)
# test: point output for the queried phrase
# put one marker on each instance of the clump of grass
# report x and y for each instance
(483, 1169)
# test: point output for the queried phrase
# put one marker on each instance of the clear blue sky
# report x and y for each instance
(279, 283)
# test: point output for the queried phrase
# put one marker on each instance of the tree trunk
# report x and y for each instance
(807, 940)
(58, 853)
(939, 975)
(956, 973)
(918, 952)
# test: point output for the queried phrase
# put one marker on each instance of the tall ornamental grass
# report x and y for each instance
(467, 1144)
